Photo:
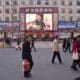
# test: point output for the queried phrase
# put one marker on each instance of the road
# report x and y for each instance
(11, 67)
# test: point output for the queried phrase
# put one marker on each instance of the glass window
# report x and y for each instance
(63, 10)
(0, 11)
(14, 11)
(70, 10)
(7, 18)
(14, 18)
(6, 10)
(31, 2)
(78, 19)
(14, 2)
(78, 11)
(62, 18)
(70, 18)
(0, 18)
(38, 2)
(62, 2)
(0, 2)
(23, 3)
(54, 2)
(78, 2)
(70, 3)
(7, 2)
(46, 2)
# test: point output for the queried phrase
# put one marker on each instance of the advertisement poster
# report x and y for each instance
(39, 21)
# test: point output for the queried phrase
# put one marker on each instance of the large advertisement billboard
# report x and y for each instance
(39, 21)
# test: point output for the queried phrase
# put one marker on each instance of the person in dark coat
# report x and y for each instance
(26, 54)
(64, 44)
(18, 44)
(33, 44)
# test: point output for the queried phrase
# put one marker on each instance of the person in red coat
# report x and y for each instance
(75, 60)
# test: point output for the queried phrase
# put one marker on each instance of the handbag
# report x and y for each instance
(25, 65)
(75, 56)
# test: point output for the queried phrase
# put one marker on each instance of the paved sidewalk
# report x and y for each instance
(11, 68)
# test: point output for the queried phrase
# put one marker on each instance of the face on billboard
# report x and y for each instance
(39, 21)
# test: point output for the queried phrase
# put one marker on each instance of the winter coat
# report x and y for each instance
(26, 51)
(55, 46)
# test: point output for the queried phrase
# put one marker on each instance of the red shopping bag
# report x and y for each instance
(25, 65)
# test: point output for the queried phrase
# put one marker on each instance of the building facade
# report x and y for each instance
(68, 9)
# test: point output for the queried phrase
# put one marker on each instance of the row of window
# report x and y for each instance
(15, 18)
(8, 11)
(7, 2)
(54, 2)
(7, 18)
(14, 11)
(70, 18)
(39, 2)
(63, 10)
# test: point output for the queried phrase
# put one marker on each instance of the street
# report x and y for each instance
(43, 69)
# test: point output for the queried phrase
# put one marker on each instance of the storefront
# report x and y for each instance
(38, 21)
(8, 29)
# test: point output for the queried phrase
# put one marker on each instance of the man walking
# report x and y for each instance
(55, 49)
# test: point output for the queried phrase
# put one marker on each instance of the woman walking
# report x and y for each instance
(75, 55)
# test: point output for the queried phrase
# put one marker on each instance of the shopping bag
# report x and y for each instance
(25, 66)
(75, 55)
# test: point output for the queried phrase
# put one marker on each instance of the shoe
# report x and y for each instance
(52, 62)
(74, 68)
(27, 75)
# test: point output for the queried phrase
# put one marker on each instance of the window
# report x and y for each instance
(63, 10)
(38, 2)
(0, 18)
(78, 11)
(70, 18)
(14, 2)
(54, 2)
(70, 3)
(14, 11)
(7, 11)
(46, 2)
(7, 18)
(0, 2)
(78, 19)
(23, 3)
(62, 2)
(7, 2)
(0, 11)
(62, 18)
(14, 18)
(31, 2)
(70, 10)
(78, 2)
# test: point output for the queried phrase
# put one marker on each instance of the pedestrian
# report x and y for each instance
(64, 44)
(33, 44)
(55, 49)
(78, 43)
(75, 56)
(68, 45)
(26, 55)
(18, 44)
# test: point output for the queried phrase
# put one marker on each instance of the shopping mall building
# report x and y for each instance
(39, 17)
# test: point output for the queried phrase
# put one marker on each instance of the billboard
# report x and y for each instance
(66, 24)
(39, 21)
